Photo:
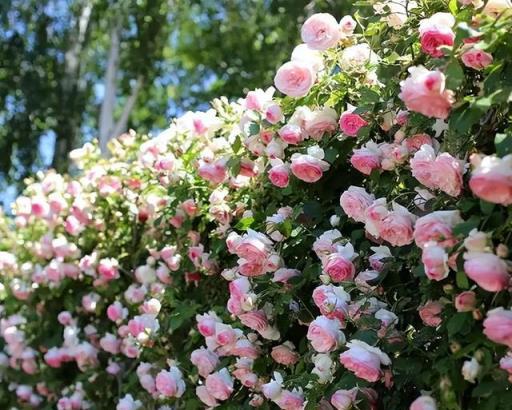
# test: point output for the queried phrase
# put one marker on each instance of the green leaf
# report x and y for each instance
(486, 207)
(503, 143)
(454, 75)
(453, 7)
(462, 280)
(465, 227)
(369, 96)
(459, 322)
(254, 129)
(244, 223)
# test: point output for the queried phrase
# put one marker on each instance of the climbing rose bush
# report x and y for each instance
(344, 246)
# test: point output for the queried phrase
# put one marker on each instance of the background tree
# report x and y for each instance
(73, 70)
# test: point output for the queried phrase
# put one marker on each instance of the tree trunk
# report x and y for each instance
(106, 126)
(70, 111)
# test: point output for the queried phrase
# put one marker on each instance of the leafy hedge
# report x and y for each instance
(345, 246)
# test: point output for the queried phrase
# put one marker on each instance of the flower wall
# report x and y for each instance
(340, 242)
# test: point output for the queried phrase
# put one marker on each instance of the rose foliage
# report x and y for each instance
(344, 246)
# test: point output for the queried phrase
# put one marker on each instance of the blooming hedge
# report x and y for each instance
(345, 246)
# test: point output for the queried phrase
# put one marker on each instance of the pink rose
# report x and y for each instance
(205, 360)
(367, 158)
(392, 155)
(489, 271)
(203, 395)
(437, 226)
(423, 403)
(506, 363)
(320, 31)
(295, 78)
(332, 301)
(255, 320)
(442, 172)
(354, 202)
(325, 334)
(436, 32)
(397, 226)
(364, 360)
(339, 268)
(430, 312)
(343, 399)
(465, 301)
(351, 123)
(308, 168)
(254, 246)
(498, 326)
(285, 354)
(274, 114)
(220, 384)
(279, 175)
(424, 92)
(108, 269)
(290, 400)
(435, 260)
(214, 172)
(291, 134)
(170, 382)
(491, 179)
(206, 323)
(320, 122)
(476, 59)
(415, 142)
(116, 312)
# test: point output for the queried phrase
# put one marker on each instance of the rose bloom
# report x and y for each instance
(255, 320)
(307, 167)
(285, 354)
(357, 57)
(364, 360)
(295, 78)
(203, 395)
(343, 399)
(170, 383)
(321, 31)
(332, 301)
(290, 400)
(205, 360)
(430, 312)
(313, 58)
(325, 334)
(414, 142)
(442, 172)
(489, 271)
(339, 268)
(465, 301)
(397, 227)
(291, 134)
(424, 92)
(476, 59)
(437, 226)
(435, 260)
(498, 326)
(354, 202)
(436, 32)
(320, 122)
(351, 123)
(506, 363)
(494, 8)
(423, 403)
(279, 175)
(220, 384)
(367, 158)
(491, 179)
